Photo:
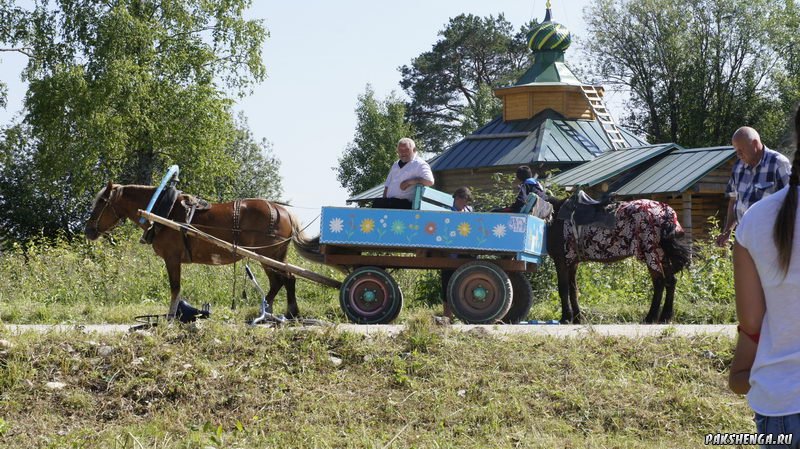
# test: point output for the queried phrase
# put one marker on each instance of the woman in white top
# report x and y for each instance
(766, 364)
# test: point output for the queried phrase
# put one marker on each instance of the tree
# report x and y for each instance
(25, 210)
(258, 175)
(696, 70)
(787, 40)
(121, 90)
(367, 159)
(450, 85)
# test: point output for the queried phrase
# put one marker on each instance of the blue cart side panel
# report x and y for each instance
(520, 234)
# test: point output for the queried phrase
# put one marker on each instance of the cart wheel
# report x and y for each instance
(369, 295)
(479, 293)
(523, 298)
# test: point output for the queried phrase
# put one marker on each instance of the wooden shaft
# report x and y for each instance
(282, 266)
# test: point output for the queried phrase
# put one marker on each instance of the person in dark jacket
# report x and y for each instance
(527, 185)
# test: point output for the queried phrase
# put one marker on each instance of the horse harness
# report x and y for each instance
(163, 208)
(108, 204)
(192, 204)
(581, 210)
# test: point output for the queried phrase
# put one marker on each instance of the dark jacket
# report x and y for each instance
(530, 186)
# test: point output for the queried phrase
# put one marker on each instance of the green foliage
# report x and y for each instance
(482, 109)
(450, 85)
(786, 39)
(258, 174)
(708, 285)
(30, 204)
(428, 288)
(501, 194)
(697, 70)
(367, 159)
(120, 91)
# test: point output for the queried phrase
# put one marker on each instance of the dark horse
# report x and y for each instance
(646, 229)
(263, 227)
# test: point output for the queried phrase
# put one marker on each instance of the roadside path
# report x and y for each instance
(617, 330)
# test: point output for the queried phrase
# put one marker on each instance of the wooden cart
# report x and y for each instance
(490, 253)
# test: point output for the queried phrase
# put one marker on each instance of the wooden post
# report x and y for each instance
(687, 213)
(282, 266)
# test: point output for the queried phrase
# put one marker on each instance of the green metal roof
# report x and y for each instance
(547, 137)
(610, 164)
(548, 67)
(677, 172)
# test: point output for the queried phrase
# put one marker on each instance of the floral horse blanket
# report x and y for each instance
(639, 229)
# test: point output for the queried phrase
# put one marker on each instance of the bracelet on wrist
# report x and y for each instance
(755, 337)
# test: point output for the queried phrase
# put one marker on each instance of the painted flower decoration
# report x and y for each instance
(336, 225)
(430, 228)
(398, 227)
(464, 229)
(499, 230)
(367, 225)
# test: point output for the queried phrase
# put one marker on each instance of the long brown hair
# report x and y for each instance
(783, 233)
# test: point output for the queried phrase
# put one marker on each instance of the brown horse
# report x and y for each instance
(645, 229)
(257, 224)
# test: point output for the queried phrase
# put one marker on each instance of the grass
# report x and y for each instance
(216, 385)
(101, 282)
(220, 384)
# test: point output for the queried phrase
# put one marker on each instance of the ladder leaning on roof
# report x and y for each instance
(603, 117)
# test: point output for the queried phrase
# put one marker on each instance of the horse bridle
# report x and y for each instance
(118, 217)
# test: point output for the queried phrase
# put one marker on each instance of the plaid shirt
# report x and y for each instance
(750, 184)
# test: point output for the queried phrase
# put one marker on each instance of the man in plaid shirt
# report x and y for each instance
(758, 173)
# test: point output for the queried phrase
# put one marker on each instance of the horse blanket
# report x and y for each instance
(640, 226)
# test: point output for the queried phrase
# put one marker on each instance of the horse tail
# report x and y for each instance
(678, 250)
(308, 247)
(674, 242)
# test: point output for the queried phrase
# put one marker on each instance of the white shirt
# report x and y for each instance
(775, 375)
(415, 168)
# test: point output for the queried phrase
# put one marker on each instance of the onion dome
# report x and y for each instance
(549, 35)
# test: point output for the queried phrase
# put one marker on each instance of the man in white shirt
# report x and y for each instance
(406, 173)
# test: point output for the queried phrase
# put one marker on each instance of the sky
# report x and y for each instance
(320, 55)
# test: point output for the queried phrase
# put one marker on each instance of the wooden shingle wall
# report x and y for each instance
(524, 103)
